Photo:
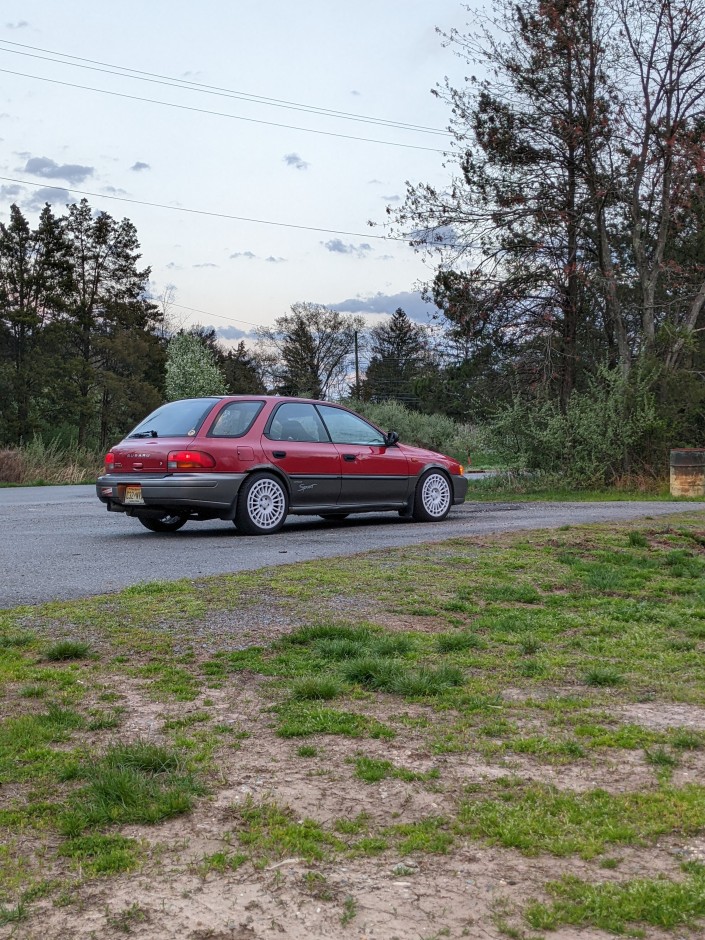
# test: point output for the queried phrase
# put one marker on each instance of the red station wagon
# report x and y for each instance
(254, 459)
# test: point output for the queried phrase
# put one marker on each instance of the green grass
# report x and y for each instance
(372, 770)
(131, 783)
(66, 650)
(536, 818)
(301, 719)
(101, 854)
(270, 831)
(658, 902)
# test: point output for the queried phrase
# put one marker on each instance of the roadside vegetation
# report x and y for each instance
(526, 704)
(42, 464)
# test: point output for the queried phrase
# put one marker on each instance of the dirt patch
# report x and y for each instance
(660, 716)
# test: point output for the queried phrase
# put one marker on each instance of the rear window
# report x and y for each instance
(236, 419)
(175, 419)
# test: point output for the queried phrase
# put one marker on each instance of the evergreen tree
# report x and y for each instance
(33, 279)
(108, 328)
(243, 372)
(400, 350)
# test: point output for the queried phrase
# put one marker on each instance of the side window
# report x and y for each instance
(235, 419)
(347, 428)
(295, 422)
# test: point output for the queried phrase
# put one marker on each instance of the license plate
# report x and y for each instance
(133, 494)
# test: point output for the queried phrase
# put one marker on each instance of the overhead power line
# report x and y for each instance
(223, 114)
(215, 215)
(170, 81)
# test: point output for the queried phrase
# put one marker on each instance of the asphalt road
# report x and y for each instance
(59, 542)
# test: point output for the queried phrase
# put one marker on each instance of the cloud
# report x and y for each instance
(20, 24)
(355, 92)
(54, 195)
(8, 192)
(206, 264)
(293, 159)
(51, 170)
(249, 255)
(112, 191)
(140, 166)
(391, 198)
(374, 182)
(411, 302)
(274, 260)
(338, 246)
(231, 332)
(173, 266)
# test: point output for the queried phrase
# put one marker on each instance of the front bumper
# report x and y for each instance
(460, 488)
(211, 493)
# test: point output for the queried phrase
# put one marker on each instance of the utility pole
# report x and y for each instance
(357, 369)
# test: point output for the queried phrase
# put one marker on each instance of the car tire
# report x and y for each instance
(262, 505)
(334, 516)
(169, 522)
(433, 497)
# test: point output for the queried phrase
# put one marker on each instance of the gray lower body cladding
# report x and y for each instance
(212, 493)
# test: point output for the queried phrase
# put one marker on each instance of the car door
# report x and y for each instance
(372, 472)
(295, 439)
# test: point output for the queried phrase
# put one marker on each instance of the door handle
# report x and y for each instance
(349, 457)
(279, 454)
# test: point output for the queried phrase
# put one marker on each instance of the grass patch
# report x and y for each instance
(539, 818)
(67, 650)
(130, 784)
(301, 719)
(658, 902)
(102, 854)
(270, 831)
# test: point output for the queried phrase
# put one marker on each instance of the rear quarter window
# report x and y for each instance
(236, 419)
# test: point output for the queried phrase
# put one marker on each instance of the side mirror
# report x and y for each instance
(390, 438)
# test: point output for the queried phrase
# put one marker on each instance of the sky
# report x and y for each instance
(371, 58)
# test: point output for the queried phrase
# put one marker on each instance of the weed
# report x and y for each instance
(307, 750)
(603, 676)
(221, 862)
(272, 831)
(66, 650)
(316, 688)
(300, 719)
(349, 910)
(637, 540)
(457, 642)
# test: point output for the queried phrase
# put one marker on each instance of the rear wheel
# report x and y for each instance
(169, 522)
(262, 505)
(433, 498)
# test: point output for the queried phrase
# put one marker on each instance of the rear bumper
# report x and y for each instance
(460, 488)
(213, 493)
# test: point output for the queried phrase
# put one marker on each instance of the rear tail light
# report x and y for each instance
(109, 462)
(189, 460)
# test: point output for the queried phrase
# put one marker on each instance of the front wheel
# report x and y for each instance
(433, 499)
(169, 522)
(262, 505)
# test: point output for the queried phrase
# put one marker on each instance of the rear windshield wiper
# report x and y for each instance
(145, 434)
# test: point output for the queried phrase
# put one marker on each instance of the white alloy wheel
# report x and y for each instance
(433, 497)
(263, 505)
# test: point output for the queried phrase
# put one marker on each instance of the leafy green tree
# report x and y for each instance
(308, 352)
(33, 279)
(400, 351)
(191, 370)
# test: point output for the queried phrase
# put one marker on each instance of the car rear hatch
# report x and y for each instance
(146, 455)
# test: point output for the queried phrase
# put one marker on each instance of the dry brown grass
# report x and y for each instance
(39, 463)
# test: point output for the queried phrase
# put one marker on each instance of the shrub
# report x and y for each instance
(610, 430)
